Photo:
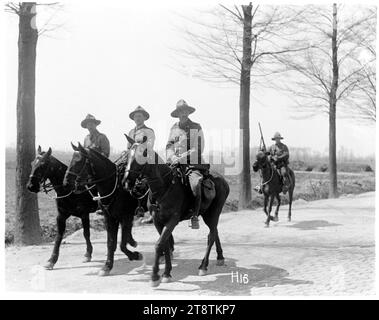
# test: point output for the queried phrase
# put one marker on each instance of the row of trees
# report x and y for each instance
(323, 59)
(321, 56)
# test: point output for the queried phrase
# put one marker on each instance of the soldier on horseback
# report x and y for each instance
(279, 155)
(139, 116)
(185, 146)
(95, 139)
(144, 135)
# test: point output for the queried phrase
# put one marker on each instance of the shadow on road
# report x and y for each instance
(313, 225)
(219, 279)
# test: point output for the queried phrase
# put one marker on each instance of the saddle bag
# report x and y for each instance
(209, 189)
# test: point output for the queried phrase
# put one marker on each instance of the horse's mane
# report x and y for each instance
(54, 159)
(100, 156)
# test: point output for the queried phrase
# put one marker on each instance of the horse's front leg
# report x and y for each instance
(265, 205)
(61, 226)
(126, 237)
(112, 229)
(276, 218)
(162, 246)
(86, 234)
(290, 195)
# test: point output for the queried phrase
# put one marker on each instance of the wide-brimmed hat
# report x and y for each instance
(140, 110)
(181, 105)
(89, 118)
(277, 135)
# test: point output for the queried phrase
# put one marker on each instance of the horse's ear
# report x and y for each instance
(130, 140)
(74, 147)
(48, 153)
(39, 150)
(82, 150)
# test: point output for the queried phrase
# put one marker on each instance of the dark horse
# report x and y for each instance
(46, 167)
(174, 201)
(90, 167)
(272, 185)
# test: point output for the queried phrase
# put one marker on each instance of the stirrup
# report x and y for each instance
(258, 189)
(100, 212)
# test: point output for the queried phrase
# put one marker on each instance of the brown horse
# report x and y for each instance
(272, 185)
(174, 201)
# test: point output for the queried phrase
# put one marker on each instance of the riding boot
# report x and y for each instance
(195, 217)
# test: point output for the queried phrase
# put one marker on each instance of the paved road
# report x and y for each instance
(327, 249)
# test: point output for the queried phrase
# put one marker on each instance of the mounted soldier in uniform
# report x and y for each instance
(185, 146)
(279, 155)
(95, 139)
(144, 135)
(139, 116)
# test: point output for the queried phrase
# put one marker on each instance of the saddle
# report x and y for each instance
(207, 185)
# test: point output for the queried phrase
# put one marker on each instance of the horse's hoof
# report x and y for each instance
(87, 259)
(289, 219)
(266, 225)
(155, 283)
(104, 273)
(49, 266)
(134, 244)
(166, 279)
(202, 272)
(220, 262)
(276, 219)
(139, 256)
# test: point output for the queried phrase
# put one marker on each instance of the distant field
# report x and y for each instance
(309, 186)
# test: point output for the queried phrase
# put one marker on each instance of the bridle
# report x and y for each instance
(89, 180)
(272, 173)
(48, 187)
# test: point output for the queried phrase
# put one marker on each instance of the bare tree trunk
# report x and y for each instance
(27, 219)
(332, 113)
(245, 185)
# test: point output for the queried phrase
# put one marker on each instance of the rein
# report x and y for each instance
(99, 197)
(48, 187)
(272, 175)
(94, 182)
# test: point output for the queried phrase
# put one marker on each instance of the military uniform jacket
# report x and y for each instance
(99, 142)
(185, 137)
(137, 134)
(281, 152)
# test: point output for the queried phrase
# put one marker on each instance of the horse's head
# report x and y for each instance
(136, 162)
(79, 171)
(261, 161)
(40, 167)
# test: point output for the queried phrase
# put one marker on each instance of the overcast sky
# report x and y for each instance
(107, 59)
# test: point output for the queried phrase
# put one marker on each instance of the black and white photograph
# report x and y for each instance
(188, 150)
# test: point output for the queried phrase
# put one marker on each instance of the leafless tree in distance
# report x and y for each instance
(237, 45)
(328, 72)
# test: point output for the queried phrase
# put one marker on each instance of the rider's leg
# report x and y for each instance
(195, 179)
